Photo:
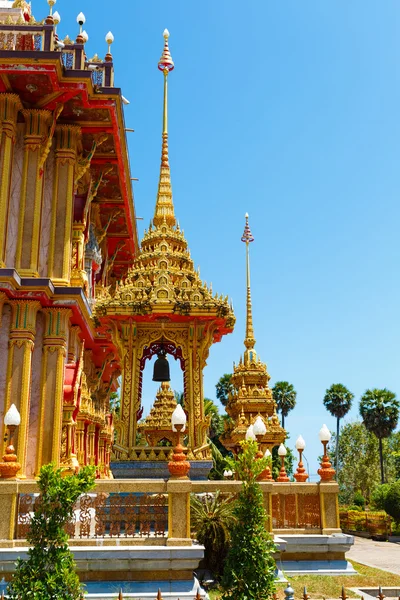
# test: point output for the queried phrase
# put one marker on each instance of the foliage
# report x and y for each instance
(359, 499)
(355, 508)
(219, 461)
(180, 398)
(378, 496)
(48, 573)
(216, 421)
(379, 409)
(224, 387)
(337, 401)
(284, 395)
(249, 570)
(211, 520)
(358, 461)
(392, 501)
(115, 402)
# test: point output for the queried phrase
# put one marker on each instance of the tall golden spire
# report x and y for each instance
(249, 341)
(164, 205)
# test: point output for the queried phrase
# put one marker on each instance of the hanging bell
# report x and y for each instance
(161, 367)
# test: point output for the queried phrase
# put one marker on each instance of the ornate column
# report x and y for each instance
(91, 457)
(63, 202)
(52, 385)
(35, 153)
(79, 276)
(19, 370)
(80, 442)
(9, 106)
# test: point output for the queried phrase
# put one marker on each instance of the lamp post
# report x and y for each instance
(81, 20)
(10, 467)
(109, 40)
(49, 19)
(300, 474)
(326, 472)
(282, 474)
(259, 430)
(178, 467)
(266, 474)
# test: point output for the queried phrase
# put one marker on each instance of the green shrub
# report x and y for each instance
(355, 508)
(378, 496)
(359, 500)
(211, 520)
(49, 571)
(392, 501)
(249, 571)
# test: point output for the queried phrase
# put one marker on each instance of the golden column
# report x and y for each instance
(52, 385)
(27, 255)
(9, 106)
(67, 137)
(19, 370)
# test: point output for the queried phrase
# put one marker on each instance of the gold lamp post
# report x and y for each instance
(326, 472)
(300, 474)
(10, 467)
(282, 474)
(109, 40)
(178, 467)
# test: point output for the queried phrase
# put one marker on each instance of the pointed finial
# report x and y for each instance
(164, 205)
(247, 238)
(159, 597)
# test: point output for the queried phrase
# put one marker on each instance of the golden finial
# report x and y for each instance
(164, 205)
(249, 341)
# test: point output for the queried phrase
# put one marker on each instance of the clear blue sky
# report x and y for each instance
(290, 111)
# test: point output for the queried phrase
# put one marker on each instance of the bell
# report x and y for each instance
(161, 368)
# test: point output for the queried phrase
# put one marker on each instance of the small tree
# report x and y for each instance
(284, 395)
(338, 401)
(379, 410)
(249, 572)
(224, 387)
(49, 571)
(392, 501)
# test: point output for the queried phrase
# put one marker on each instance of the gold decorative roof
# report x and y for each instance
(163, 278)
(157, 425)
(252, 396)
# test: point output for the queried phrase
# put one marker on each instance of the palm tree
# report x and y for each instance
(284, 395)
(337, 401)
(379, 410)
(216, 421)
(223, 388)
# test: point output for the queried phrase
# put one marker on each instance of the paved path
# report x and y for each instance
(381, 555)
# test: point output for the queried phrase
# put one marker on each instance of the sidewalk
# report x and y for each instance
(381, 555)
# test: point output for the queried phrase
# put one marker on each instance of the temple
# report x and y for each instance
(252, 396)
(67, 232)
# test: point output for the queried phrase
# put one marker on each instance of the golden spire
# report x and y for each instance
(164, 205)
(249, 341)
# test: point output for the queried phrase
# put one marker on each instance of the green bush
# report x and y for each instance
(249, 572)
(392, 501)
(49, 571)
(359, 500)
(355, 508)
(212, 519)
(378, 496)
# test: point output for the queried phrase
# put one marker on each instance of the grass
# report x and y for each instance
(320, 586)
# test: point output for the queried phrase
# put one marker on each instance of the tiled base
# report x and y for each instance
(157, 469)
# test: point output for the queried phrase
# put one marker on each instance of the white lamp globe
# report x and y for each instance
(12, 416)
(300, 443)
(81, 19)
(56, 17)
(267, 453)
(324, 434)
(85, 35)
(259, 427)
(178, 418)
(109, 38)
(250, 435)
(282, 450)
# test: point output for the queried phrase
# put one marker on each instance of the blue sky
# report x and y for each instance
(289, 111)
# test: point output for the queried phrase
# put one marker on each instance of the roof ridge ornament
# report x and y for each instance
(249, 341)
